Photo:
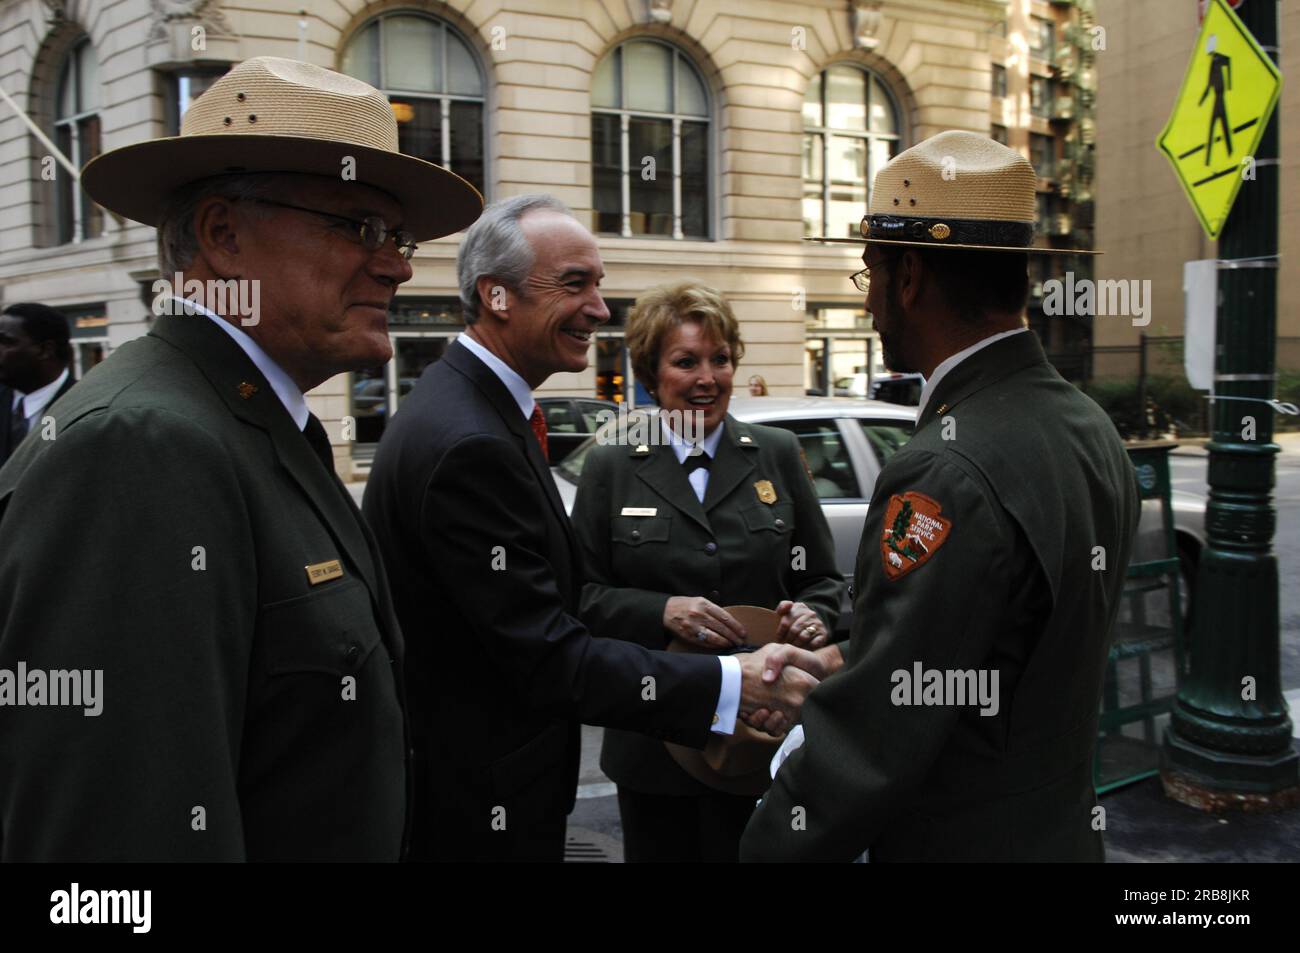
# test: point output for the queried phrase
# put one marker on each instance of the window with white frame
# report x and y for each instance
(851, 129)
(76, 133)
(434, 84)
(649, 143)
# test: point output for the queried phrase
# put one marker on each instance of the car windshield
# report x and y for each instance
(571, 468)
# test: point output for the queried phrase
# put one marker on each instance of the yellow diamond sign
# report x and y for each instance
(1224, 104)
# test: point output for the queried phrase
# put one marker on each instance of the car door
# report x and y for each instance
(835, 477)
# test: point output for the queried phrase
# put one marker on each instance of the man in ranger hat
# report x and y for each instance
(181, 559)
(963, 721)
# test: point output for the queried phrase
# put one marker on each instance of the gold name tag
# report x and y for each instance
(639, 511)
(324, 572)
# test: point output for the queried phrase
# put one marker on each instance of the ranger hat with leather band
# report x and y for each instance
(955, 190)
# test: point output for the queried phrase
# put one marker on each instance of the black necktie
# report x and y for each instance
(319, 442)
(700, 461)
(17, 426)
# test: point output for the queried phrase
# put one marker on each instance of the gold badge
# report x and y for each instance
(247, 390)
(939, 231)
(324, 572)
(766, 492)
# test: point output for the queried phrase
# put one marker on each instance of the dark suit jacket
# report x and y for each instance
(6, 413)
(486, 577)
(634, 563)
(230, 683)
(1032, 476)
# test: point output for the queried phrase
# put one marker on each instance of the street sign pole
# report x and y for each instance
(1229, 740)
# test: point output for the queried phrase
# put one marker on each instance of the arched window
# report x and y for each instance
(649, 143)
(851, 129)
(433, 81)
(76, 133)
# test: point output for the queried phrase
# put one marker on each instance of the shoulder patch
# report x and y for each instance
(913, 533)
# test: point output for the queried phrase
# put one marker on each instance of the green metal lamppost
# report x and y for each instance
(1229, 740)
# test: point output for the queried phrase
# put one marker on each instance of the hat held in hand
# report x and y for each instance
(955, 190)
(270, 114)
(736, 763)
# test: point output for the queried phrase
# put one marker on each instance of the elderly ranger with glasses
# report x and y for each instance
(185, 534)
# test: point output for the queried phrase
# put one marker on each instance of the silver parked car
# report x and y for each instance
(846, 442)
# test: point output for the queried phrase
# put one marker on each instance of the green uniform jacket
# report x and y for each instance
(163, 536)
(1030, 477)
(733, 548)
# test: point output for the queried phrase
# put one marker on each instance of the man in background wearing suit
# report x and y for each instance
(35, 369)
(486, 571)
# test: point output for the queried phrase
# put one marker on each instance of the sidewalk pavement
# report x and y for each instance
(1144, 826)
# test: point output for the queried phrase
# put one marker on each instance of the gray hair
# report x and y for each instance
(177, 242)
(496, 246)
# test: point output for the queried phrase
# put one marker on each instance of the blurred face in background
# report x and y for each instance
(695, 374)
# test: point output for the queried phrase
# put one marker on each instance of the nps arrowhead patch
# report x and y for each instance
(914, 531)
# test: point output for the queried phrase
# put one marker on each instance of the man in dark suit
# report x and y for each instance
(35, 371)
(963, 723)
(486, 571)
(180, 558)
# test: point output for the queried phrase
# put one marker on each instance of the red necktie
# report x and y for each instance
(538, 422)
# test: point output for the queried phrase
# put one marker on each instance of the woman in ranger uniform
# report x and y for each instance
(707, 511)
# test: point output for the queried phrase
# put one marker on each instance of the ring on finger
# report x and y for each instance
(702, 634)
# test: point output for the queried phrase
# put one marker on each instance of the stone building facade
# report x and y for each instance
(698, 138)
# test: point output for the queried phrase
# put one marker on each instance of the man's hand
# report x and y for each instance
(775, 680)
(824, 662)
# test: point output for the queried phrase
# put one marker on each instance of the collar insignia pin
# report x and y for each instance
(746, 439)
(247, 390)
(642, 448)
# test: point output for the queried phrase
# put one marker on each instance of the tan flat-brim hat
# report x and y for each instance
(955, 190)
(270, 114)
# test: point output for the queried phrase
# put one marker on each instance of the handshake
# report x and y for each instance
(776, 679)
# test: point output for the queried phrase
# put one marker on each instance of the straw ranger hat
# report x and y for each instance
(954, 190)
(270, 114)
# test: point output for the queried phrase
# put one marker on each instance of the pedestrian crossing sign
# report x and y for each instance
(1227, 96)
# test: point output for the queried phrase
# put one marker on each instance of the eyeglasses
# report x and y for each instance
(861, 280)
(371, 231)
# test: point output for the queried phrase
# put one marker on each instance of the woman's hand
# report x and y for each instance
(800, 626)
(698, 622)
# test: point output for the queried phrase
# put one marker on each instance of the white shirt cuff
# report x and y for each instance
(724, 718)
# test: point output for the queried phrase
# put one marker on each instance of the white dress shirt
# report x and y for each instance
(31, 405)
(954, 359)
(285, 389)
(728, 706)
